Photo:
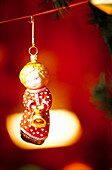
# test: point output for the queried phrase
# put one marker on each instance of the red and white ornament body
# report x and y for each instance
(34, 99)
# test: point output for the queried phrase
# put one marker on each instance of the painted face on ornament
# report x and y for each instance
(34, 80)
(34, 76)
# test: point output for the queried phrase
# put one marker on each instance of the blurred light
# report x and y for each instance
(77, 166)
(104, 5)
(65, 130)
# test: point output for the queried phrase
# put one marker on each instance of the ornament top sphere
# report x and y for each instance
(34, 73)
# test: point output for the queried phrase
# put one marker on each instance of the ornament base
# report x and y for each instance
(30, 139)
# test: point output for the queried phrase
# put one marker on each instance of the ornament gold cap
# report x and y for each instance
(33, 57)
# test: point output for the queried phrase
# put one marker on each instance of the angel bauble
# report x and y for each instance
(37, 100)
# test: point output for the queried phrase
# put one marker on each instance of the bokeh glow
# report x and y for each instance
(104, 5)
(65, 130)
(77, 166)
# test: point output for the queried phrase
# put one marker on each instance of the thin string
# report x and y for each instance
(45, 12)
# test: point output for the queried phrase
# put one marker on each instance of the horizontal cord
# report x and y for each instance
(45, 12)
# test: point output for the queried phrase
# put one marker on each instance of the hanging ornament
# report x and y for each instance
(104, 5)
(37, 99)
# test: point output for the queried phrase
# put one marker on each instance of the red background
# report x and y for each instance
(75, 54)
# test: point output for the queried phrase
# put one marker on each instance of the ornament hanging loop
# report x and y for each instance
(33, 50)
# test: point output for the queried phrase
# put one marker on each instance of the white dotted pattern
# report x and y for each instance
(40, 98)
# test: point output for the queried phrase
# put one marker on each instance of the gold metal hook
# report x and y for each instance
(32, 22)
(33, 55)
